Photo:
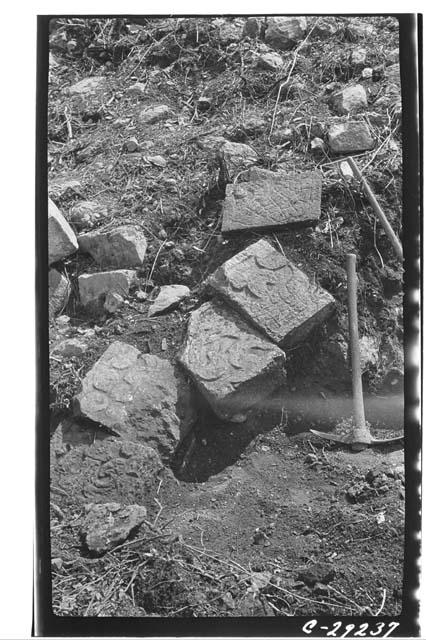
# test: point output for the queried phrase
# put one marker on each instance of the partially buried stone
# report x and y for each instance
(107, 525)
(87, 86)
(88, 466)
(270, 61)
(123, 246)
(285, 33)
(235, 157)
(168, 298)
(232, 365)
(59, 292)
(93, 285)
(137, 395)
(272, 199)
(155, 114)
(62, 241)
(113, 302)
(348, 137)
(70, 347)
(272, 293)
(350, 100)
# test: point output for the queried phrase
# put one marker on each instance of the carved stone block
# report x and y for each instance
(233, 366)
(271, 199)
(272, 293)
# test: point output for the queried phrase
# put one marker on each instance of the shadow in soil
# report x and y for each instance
(213, 445)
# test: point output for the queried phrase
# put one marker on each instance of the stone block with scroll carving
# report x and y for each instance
(233, 366)
(272, 200)
(139, 396)
(272, 293)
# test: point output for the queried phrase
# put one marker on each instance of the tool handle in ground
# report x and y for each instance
(377, 209)
(361, 435)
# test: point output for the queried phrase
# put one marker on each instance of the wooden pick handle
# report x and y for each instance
(361, 435)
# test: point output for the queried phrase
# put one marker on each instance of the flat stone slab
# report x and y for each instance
(136, 395)
(272, 200)
(121, 247)
(233, 366)
(107, 525)
(62, 240)
(272, 293)
(94, 285)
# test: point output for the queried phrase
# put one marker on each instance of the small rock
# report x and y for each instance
(85, 214)
(63, 188)
(346, 171)
(155, 114)
(252, 27)
(71, 347)
(87, 86)
(141, 295)
(204, 103)
(270, 61)
(235, 157)
(358, 57)
(164, 344)
(168, 298)
(57, 564)
(136, 90)
(159, 161)
(131, 145)
(285, 33)
(123, 246)
(349, 100)
(93, 285)
(253, 125)
(317, 145)
(107, 525)
(113, 302)
(320, 572)
(325, 28)
(59, 292)
(62, 241)
(349, 137)
(358, 30)
(367, 73)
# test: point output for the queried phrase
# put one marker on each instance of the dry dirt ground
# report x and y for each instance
(261, 518)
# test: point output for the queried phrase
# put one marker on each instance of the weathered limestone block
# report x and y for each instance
(272, 293)
(137, 395)
(59, 291)
(62, 241)
(107, 525)
(86, 467)
(124, 246)
(94, 285)
(348, 137)
(285, 33)
(233, 366)
(271, 199)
